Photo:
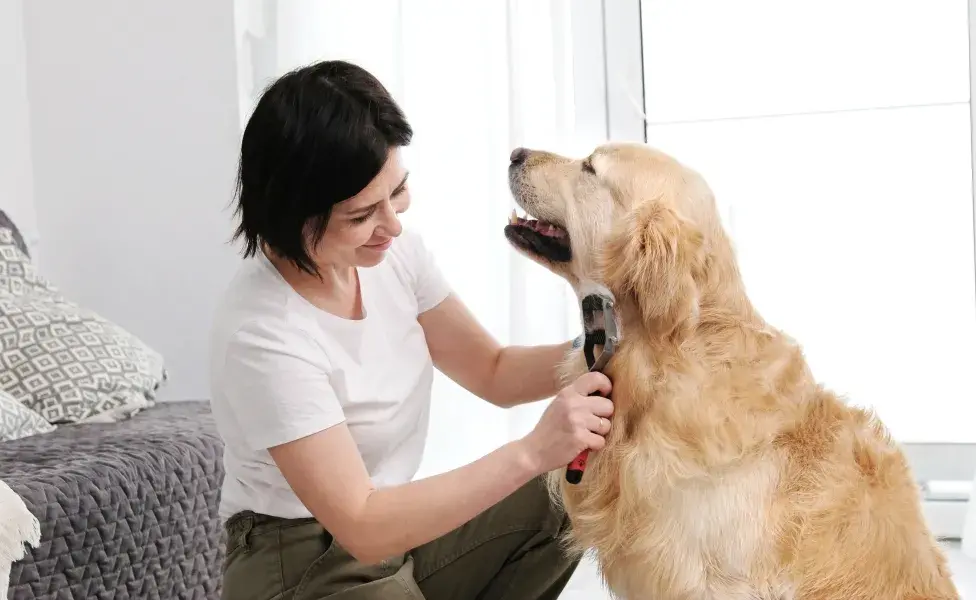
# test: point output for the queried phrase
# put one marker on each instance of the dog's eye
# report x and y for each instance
(587, 167)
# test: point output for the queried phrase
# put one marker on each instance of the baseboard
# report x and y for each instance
(945, 517)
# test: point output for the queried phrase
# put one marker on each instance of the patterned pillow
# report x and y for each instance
(63, 361)
(18, 239)
(17, 274)
(17, 421)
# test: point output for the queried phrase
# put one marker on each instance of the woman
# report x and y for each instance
(323, 355)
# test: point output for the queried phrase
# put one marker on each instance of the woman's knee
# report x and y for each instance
(535, 499)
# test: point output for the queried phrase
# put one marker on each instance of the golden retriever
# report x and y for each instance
(730, 473)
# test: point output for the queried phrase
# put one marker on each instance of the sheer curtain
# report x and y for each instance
(844, 157)
(475, 80)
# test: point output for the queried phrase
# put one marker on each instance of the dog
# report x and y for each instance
(729, 472)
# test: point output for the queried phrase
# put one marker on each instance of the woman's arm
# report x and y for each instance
(462, 349)
(327, 474)
(375, 524)
(282, 399)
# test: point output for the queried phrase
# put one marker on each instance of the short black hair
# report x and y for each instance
(318, 135)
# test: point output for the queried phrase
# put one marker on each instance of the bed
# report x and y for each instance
(127, 510)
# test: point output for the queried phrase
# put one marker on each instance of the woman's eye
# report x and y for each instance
(363, 218)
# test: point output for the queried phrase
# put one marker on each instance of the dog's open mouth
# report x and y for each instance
(542, 238)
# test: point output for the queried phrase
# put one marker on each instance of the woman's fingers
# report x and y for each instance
(593, 382)
(599, 406)
(599, 425)
(596, 442)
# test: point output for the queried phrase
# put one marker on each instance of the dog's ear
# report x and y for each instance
(655, 257)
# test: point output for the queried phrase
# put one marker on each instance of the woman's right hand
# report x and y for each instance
(574, 421)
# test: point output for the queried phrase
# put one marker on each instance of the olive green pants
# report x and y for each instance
(509, 551)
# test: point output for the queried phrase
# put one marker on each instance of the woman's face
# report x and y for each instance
(361, 229)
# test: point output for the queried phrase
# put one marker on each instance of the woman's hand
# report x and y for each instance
(574, 421)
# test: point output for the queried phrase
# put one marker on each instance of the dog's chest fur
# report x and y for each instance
(719, 520)
(700, 538)
(706, 539)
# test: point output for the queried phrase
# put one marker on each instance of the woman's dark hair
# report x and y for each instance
(317, 136)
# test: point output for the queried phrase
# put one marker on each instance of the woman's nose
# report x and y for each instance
(391, 222)
(394, 228)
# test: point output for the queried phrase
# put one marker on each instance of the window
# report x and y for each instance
(838, 139)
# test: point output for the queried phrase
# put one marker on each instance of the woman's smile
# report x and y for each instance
(380, 246)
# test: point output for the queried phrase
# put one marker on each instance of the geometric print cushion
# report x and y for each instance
(65, 362)
(17, 421)
(7, 223)
(17, 273)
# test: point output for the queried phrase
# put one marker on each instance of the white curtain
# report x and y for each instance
(475, 80)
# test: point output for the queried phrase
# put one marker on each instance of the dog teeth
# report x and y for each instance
(514, 218)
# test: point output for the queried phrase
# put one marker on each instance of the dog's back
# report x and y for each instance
(853, 526)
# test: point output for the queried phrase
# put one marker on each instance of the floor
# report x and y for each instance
(586, 585)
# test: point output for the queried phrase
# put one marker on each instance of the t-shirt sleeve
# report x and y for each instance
(429, 284)
(277, 387)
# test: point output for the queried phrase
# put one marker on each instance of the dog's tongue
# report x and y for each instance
(541, 227)
(546, 229)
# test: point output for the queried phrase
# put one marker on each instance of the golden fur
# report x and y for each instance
(730, 473)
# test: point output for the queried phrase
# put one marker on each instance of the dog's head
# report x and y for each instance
(627, 217)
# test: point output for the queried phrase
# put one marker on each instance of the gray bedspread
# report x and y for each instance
(127, 510)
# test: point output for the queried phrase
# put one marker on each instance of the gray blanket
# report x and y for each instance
(127, 510)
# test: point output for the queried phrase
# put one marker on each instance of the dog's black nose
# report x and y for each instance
(519, 155)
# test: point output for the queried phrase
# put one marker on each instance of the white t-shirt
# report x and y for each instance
(282, 369)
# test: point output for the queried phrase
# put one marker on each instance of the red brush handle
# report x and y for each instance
(574, 472)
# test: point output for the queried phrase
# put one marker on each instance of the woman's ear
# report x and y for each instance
(654, 257)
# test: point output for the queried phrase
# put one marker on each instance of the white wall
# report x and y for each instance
(16, 182)
(134, 137)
